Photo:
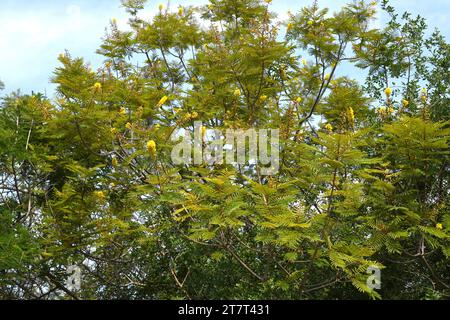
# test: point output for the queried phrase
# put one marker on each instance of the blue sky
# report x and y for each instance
(34, 32)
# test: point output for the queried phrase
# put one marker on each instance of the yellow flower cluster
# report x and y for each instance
(151, 148)
(405, 103)
(163, 101)
(388, 92)
(188, 116)
(439, 226)
(424, 95)
(351, 115)
(298, 100)
(237, 92)
(385, 111)
(122, 111)
(329, 127)
(203, 131)
(100, 195)
(263, 98)
(381, 110)
(97, 86)
(129, 126)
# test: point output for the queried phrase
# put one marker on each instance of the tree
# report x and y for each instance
(88, 180)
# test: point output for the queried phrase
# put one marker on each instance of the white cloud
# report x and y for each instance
(32, 39)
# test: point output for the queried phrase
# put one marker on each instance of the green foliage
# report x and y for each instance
(87, 179)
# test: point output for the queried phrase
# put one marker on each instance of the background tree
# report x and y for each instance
(87, 178)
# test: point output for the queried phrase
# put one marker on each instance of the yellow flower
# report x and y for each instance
(129, 126)
(194, 115)
(263, 98)
(151, 147)
(122, 111)
(115, 162)
(100, 195)
(388, 92)
(237, 93)
(310, 23)
(108, 64)
(203, 131)
(299, 100)
(390, 110)
(351, 115)
(439, 226)
(97, 86)
(162, 101)
(381, 111)
(180, 11)
(424, 95)
(157, 126)
(405, 103)
(289, 27)
(161, 7)
(113, 130)
(329, 127)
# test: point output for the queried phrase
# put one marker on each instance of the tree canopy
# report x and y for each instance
(87, 178)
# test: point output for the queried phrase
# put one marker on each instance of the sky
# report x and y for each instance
(34, 32)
